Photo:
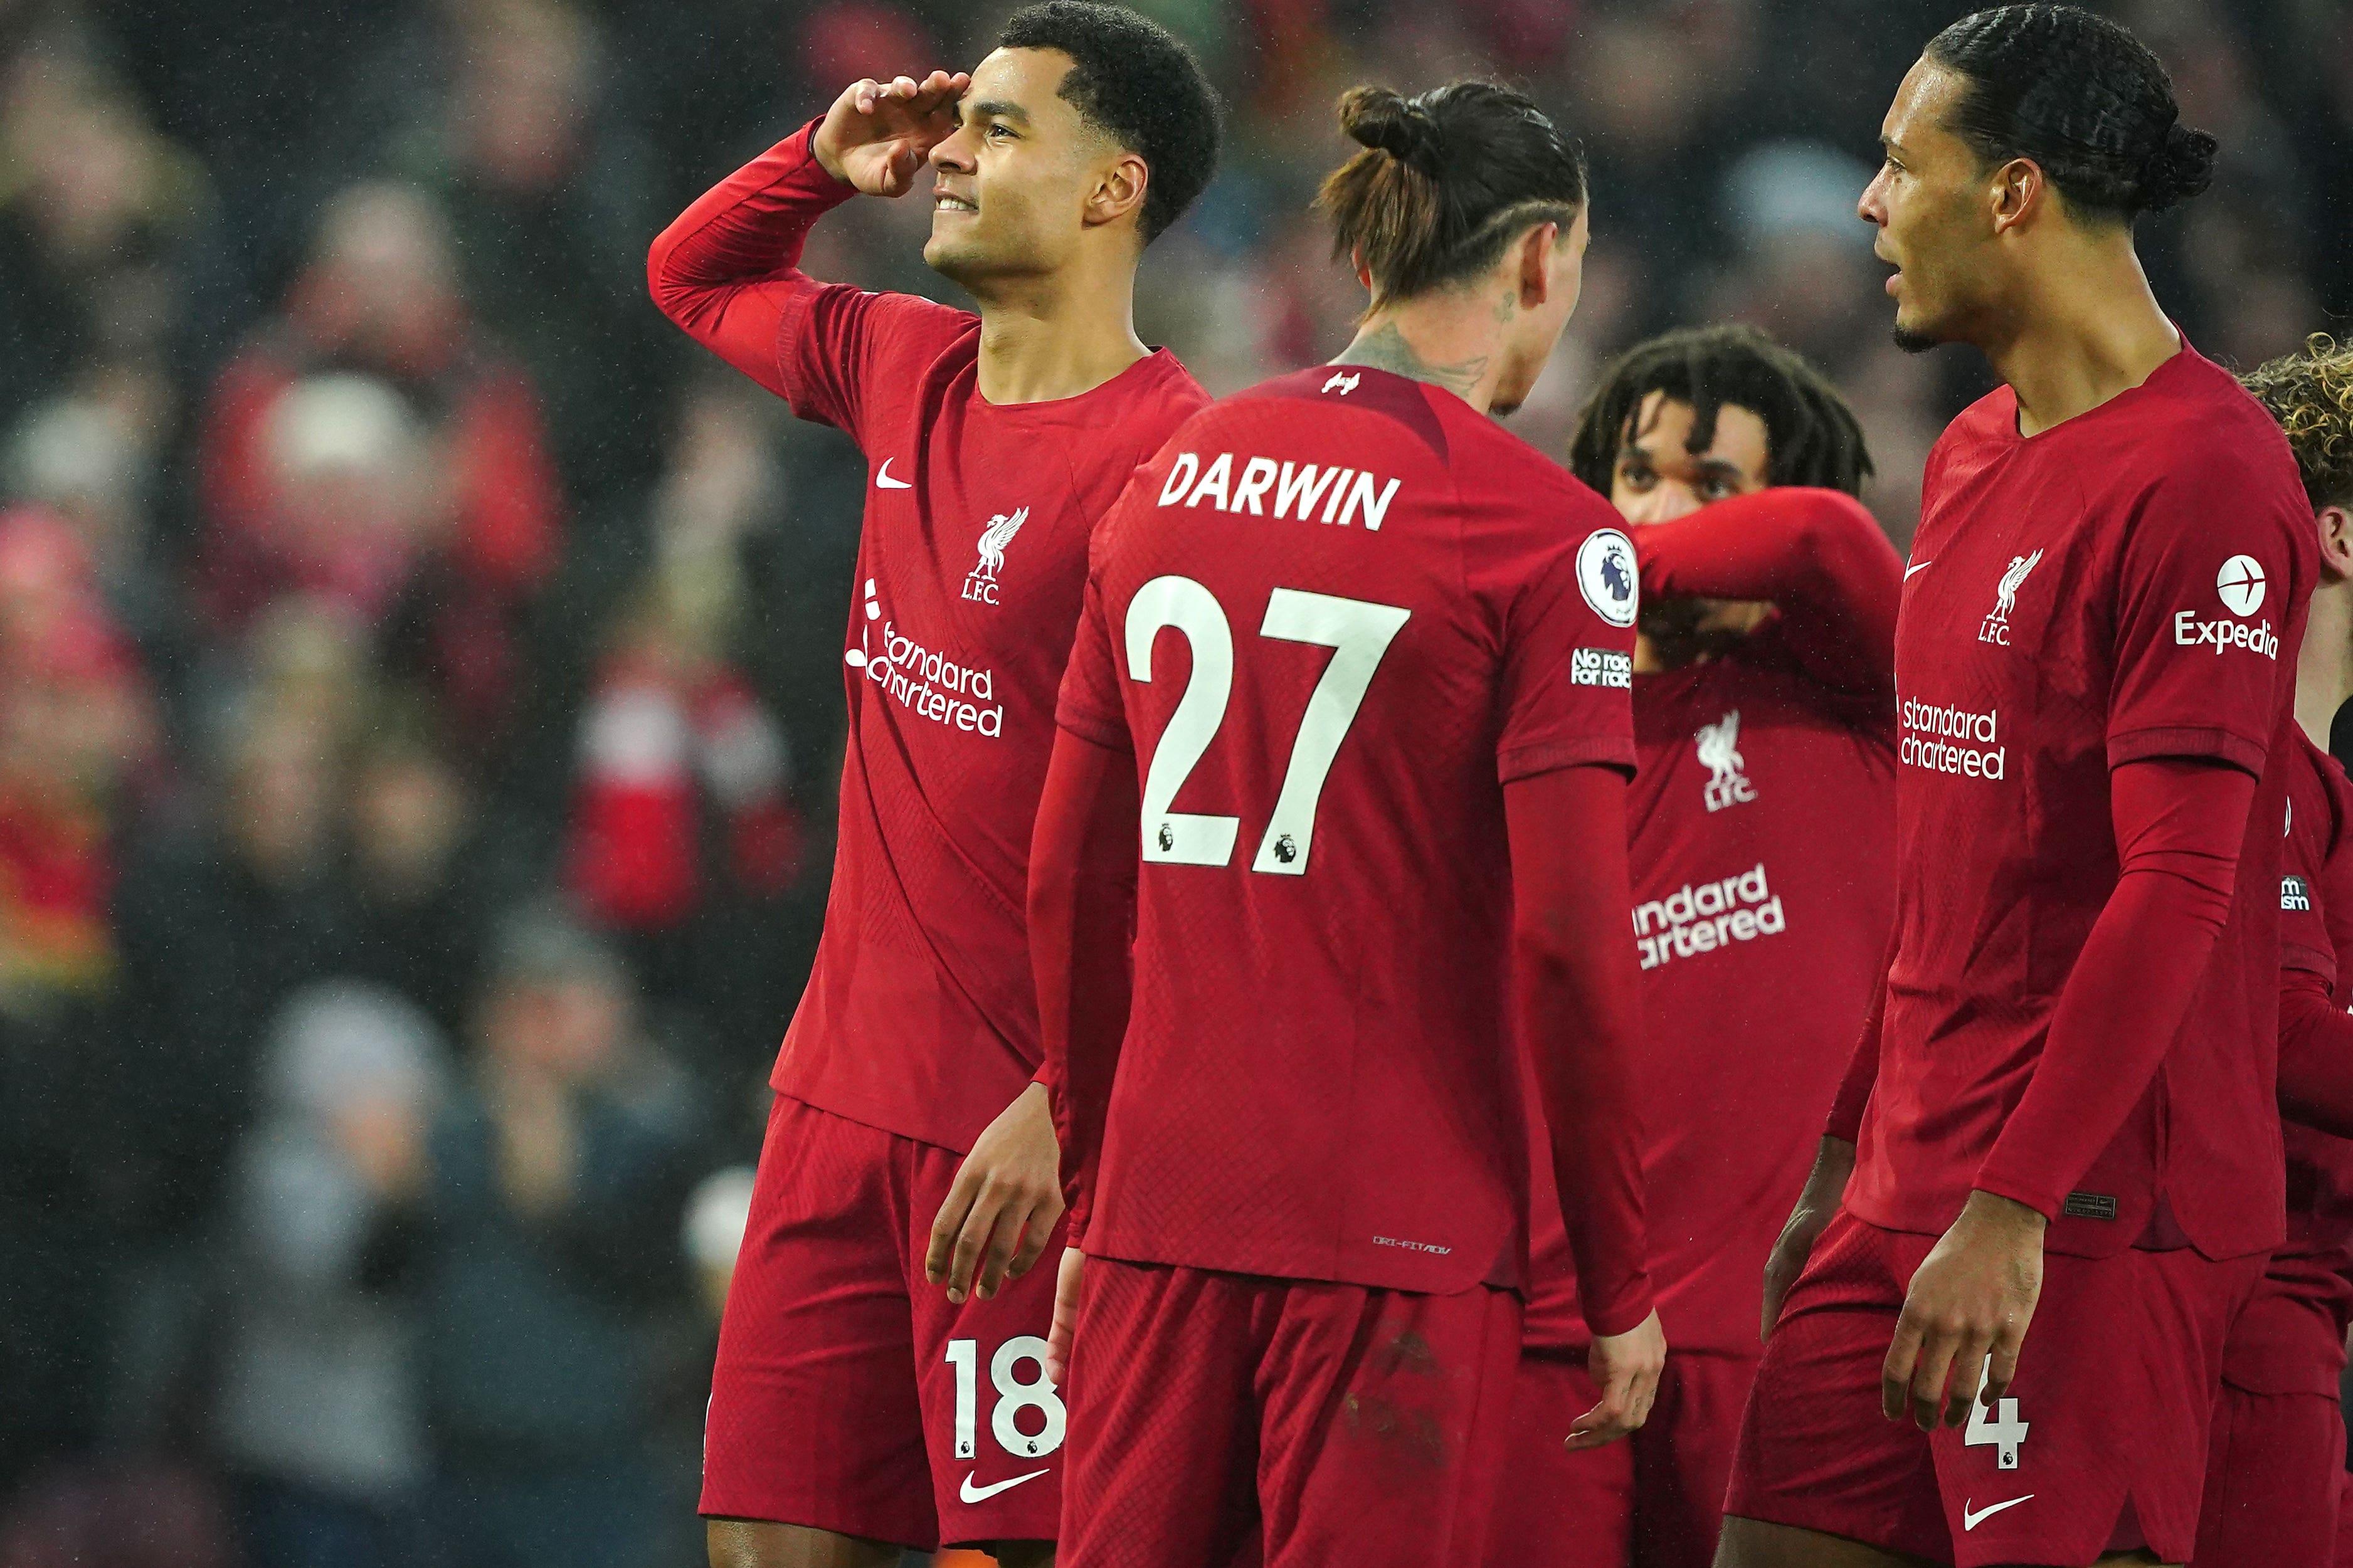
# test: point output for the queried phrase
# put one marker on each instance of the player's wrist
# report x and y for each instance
(825, 155)
(1997, 1212)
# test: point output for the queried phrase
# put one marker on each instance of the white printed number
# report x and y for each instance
(1013, 1396)
(1357, 633)
(2005, 1432)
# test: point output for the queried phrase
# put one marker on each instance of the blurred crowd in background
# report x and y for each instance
(420, 693)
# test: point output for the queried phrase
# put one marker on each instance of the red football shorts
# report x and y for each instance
(1227, 1419)
(1654, 1501)
(849, 1395)
(2100, 1445)
(2274, 1479)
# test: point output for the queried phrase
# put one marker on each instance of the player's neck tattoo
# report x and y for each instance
(1384, 348)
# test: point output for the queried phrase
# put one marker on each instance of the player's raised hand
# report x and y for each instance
(877, 134)
(1002, 1207)
(1066, 1280)
(1971, 1298)
(1626, 1367)
(1817, 1206)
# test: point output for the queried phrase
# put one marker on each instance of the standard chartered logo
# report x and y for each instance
(1949, 740)
(1702, 917)
(928, 683)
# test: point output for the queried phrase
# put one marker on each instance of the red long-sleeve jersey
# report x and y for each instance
(921, 1013)
(2291, 1338)
(1761, 822)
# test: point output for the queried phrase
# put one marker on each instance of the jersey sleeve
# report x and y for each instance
(2304, 940)
(1090, 704)
(2205, 589)
(2315, 1039)
(1817, 556)
(727, 270)
(1566, 609)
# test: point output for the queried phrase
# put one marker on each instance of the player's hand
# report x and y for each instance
(1006, 1195)
(877, 134)
(1066, 1316)
(1971, 1298)
(1817, 1206)
(1627, 1368)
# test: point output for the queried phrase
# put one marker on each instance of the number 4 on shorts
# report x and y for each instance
(2005, 1432)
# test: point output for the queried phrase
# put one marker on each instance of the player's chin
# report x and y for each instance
(954, 255)
(1917, 330)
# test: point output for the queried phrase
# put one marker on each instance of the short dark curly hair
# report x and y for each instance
(1811, 434)
(1137, 83)
(2084, 99)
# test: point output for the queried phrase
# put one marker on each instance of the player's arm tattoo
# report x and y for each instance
(1384, 348)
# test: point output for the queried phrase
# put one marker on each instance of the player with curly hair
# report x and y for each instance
(2276, 1463)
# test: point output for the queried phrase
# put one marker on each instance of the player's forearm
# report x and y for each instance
(1819, 554)
(2179, 825)
(1081, 911)
(1577, 992)
(2316, 1056)
(722, 268)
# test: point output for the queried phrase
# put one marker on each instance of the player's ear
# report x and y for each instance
(1118, 190)
(2016, 190)
(1533, 258)
(2336, 524)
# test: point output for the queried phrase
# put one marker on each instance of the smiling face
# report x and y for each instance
(1012, 184)
(1935, 206)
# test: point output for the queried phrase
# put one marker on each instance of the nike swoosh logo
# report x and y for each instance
(1922, 566)
(884, 481)
(971, 1493)
(1971, 1521)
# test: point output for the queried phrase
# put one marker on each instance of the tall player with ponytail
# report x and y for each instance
(1352, 672)
(2054, 1176)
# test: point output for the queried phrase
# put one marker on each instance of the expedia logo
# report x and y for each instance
(1703, 918)
(2239, 586)
(2189, 631)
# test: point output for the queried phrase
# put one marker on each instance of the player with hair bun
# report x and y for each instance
(1353, 675)
(2052, 1175)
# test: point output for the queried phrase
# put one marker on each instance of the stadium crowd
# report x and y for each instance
(420, 695)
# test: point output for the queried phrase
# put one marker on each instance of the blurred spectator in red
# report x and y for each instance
(682, 801)
(550, 1247)
(549, 195)
(74, 719)
(297, 435)
(319, 1411)
(91, 458)
(684, 781)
